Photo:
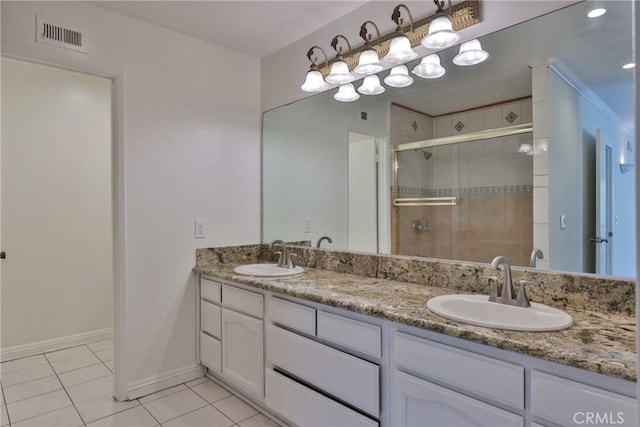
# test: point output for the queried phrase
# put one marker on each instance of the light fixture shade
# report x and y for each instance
(339, 73)
(429, 67)
(314, 82)
(400, 50)
(441, 34)
(399, 77)
(368, 63)
(470, 53)
(346, 93)
(371, 86)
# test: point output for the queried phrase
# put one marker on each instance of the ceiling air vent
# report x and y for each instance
(54, 34)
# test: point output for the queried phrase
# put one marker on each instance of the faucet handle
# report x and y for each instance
(493, 282)
(522, 299)
(291, 263)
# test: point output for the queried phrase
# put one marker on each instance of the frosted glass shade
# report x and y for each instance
(339, 73)
(471, 53)
(399, 77)
(441, 34)
(429, 68)
(346, 93)
(371, 86)
(368, 63)
(400, 50)
(314, 82)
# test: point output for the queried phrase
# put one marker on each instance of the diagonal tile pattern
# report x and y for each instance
(74, 387)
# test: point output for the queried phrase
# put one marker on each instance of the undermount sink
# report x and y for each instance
(267, 270)
(478, 310)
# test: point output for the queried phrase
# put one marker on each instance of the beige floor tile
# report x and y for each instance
(235, 408)
(197, 381)
(65, 417)
(80, 350)
(134, 417)
(32, 388)
(25, 375)
(259, 420)
(207, 416)
(100, 345)
(174, 405)
(38, 405)
(91, 389)
(105, 355)
(74, 362)
(4, 418)
(24, 363)
(103, 406)
(210, 391)
(83, 375)
(158, 394)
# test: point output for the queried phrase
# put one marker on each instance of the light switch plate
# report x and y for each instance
(200, 229)
(307, 225)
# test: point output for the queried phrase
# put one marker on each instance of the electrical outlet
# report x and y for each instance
(200, 229)
(307, 225)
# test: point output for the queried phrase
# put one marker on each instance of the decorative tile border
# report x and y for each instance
(452, 192)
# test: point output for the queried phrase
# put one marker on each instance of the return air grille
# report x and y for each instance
(54, 34)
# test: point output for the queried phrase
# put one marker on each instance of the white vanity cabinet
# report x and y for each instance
(232, 334)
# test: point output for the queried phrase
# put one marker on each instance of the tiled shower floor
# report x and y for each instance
(74, 387)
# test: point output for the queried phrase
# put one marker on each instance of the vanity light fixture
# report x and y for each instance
(339, 73)
(346, 93)
(369, 62)
(400, 49)
(596, 13)
(371, 86)
(429, 67)
(314, 81)
(399, 77)
(470, 53)
(441, 34)
(629, 66)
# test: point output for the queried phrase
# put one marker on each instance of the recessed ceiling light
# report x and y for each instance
(629, 66)
(596, 12)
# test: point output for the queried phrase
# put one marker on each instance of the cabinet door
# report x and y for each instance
(420, 403)
(242, 351)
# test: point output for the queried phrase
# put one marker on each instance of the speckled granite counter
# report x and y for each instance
(598, 342)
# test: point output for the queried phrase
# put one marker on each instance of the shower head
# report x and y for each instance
(427, 154)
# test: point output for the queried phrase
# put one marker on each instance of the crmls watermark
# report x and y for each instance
(598, 418)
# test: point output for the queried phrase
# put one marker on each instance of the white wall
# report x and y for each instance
(293, 190)
(283, 72)
(57, 280)
(190, 132)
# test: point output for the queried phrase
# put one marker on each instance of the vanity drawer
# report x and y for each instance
(293, 316)
(210, 318)
(346, 377)
(210, 352)
(561, 401)
(304, 407)
(493, 379)
(358, 336)
(242, 301)
(210, 290)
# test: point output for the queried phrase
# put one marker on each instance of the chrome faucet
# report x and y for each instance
(285, 259)
(327, 238)
(506, 295)
(536, 254)
(507, 289)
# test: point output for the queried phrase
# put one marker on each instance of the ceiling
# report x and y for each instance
(256, 28)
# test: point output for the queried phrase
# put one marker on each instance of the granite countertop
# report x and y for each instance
(597, 342)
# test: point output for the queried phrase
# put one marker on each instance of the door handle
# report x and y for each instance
(598, 240)
(3, 255)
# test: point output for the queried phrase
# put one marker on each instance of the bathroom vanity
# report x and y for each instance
(330, 347)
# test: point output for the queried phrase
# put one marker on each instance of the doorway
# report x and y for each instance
(57, 209)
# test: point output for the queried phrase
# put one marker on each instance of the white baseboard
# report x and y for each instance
(160, 382)
(53, 344)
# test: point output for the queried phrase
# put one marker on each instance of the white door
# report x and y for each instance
(420, 403)
(56, 205)
(242, 351)
(362, 227)
(603, 231)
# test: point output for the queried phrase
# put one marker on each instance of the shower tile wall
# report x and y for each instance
(493, 180)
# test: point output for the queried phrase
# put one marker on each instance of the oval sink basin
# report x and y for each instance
(267, 270)
(478, 310)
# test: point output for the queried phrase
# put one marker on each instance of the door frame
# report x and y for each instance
(117, 78)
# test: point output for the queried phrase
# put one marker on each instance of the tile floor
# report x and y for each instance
(73, 387)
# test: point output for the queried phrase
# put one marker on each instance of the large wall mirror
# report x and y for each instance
(531, 149)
